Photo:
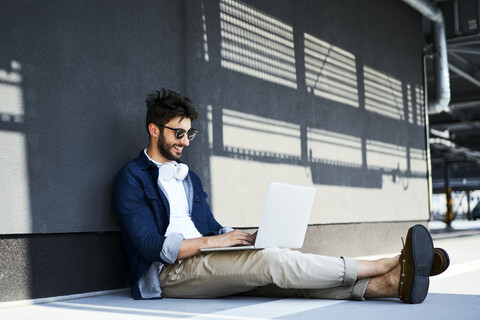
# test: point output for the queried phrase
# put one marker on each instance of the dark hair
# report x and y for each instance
(163, 106)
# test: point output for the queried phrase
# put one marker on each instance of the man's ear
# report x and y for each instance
(153, 130)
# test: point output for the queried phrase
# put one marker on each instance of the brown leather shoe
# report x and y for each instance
(416, 263)
(441, 261)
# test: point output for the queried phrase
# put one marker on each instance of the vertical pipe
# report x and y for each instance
(469, 212)
(448, 195)
(442, 77)
(456, 20)
(427, 138)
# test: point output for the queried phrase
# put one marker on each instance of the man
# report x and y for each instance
(166, 220)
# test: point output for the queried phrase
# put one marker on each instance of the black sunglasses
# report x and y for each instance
(179, 133)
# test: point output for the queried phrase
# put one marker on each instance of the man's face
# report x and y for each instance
(169, 146)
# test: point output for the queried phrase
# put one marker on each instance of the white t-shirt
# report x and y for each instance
(180, 219)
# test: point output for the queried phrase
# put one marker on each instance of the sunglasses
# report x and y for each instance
(180, 133)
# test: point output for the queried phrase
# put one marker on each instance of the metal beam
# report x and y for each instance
(465, 50)
(455, 126)
(464, 74)
(464, 41)
(466, 153)
(465, 105)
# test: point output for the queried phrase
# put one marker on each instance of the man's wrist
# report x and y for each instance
(208, 242)
(225, 230)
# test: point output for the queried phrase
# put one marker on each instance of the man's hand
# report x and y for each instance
(233, 238)
(191, 247)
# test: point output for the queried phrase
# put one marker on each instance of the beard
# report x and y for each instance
(166, 149)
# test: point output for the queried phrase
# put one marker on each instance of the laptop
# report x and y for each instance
(284, 219)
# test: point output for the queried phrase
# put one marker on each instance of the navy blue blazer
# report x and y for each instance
(144, 212)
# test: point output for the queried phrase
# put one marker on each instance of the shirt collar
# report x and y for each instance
(158, 164)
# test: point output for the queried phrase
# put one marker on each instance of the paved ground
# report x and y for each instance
(453, 295)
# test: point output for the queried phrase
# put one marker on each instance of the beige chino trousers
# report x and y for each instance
(269, 272)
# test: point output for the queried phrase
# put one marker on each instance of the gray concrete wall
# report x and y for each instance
(321, 93)
(328, 97)
(73, 73)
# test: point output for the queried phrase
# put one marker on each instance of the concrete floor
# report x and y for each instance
(453, 295)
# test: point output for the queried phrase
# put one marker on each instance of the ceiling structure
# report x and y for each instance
(455, 133)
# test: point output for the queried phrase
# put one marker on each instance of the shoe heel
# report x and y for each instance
(423, 257)
(419, 289)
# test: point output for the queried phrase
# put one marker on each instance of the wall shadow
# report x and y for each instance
(338, 104)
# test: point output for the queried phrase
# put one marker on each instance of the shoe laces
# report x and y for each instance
(402, 269)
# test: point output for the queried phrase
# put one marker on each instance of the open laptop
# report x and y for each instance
(284, 219)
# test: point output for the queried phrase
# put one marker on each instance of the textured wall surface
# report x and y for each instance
(76, 109)
(321, 93)
(37, 266)
(327, 94)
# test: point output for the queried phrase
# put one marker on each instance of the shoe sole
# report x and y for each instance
(422, 252)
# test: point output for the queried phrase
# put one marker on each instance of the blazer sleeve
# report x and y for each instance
(133, 207)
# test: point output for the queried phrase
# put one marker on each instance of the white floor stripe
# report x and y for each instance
(21, 303)
(275, 309)
(260, 311)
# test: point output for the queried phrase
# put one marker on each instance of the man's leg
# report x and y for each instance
(376, 278)
(384, 286)
(355, 291)
(365, 270)
(375, 268)
(275, 272)
(225, 273)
